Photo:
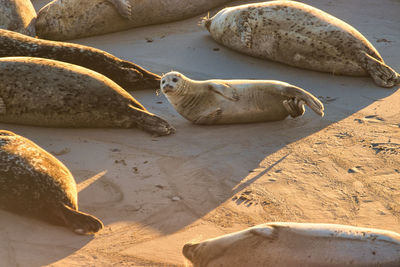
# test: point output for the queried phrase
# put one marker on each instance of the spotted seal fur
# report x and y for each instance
(236, 101)
(302, 36)
(70, 19)
(45, 92)
(18, 16)
(127, 74)
(298, 244)
(35, 183)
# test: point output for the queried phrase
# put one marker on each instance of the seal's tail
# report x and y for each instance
(205, 22)
(308, 99)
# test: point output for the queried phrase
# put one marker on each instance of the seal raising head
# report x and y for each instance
(236, 101)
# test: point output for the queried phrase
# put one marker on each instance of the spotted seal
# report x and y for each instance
(236, 101)
(18, 15)
(70, 19)
(45, 92)
(298, 244)
(302, 36)
(127, 74)
(35, 183)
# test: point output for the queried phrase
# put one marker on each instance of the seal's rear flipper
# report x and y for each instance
(150, 122)
(124, 7)
(81, 223)
(382, 74)
(300, 94)
(295, 107)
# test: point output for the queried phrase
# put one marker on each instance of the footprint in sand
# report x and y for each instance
(390, 148)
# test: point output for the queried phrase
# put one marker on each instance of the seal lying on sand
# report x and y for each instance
(18, 15)
(34, 183)
(236, 101)
(128, 75)
(44, 92)
(298, 244)
(299, 35)
(70, 19)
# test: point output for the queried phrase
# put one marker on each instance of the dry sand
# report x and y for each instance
(343, 168)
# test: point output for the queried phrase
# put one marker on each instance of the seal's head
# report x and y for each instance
(172, 82)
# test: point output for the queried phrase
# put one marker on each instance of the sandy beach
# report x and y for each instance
(154, 194)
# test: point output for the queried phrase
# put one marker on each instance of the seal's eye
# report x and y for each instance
(163, 82)
(174, 80)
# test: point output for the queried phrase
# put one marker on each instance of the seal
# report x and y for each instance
(298, 244)
(61, 20)
(18, 15)
(302, 36)
(45, 92)
(236, 101)
(127, 74)
(35, 183)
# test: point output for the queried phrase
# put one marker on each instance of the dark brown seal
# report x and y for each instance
(35, 183)
(127, 74)
(18, 15)
(45, 92)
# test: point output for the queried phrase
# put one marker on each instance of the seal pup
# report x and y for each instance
(70, 19)
(236, 101)
(18, 15)
(302, 36)
(45, 92)
(127, 74)
(35, 183)
(298, 244)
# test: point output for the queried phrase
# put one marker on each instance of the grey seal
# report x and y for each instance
(70, 19)
(236, 101)
(35, 183)
(45, 92)
(298, 244)
(302, 36)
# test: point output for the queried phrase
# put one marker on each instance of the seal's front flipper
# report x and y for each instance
(124, 7)
(245, 30)
(209, 118)
(3, 109)
(295, 107)
(218, 88)
(81, 223)
(382, 74)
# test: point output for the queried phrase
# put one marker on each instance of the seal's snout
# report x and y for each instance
(167, 88)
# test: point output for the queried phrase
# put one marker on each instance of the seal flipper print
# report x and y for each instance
(124, 7)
